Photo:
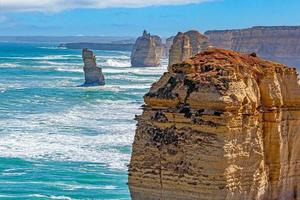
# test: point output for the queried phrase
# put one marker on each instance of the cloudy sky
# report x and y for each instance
(130, 17)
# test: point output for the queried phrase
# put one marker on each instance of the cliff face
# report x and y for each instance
(186, 45)
(93, 74)
(147, 51)
(281, 43)
(221, 125)
(167, 46)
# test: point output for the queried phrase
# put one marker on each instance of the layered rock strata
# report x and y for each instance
(186, 45)
(93, 74)
(277, 43)
(147, 51)
(221, 125)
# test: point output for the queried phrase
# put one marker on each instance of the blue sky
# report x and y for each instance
(116, 18)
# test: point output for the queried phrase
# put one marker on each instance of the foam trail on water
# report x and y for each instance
(117, 63)
(61, 136)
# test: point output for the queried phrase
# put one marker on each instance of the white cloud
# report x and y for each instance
(58, 5)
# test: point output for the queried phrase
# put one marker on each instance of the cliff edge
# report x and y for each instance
(221, 125)
(277, 43)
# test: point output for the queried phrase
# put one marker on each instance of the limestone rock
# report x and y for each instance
(277, 43)
(93, 74)
(186, 45)
(167, 46)
(221, 125)
(147, 51)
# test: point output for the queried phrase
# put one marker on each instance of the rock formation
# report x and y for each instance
(93, 74)
(277, 43)
(186, 45)
(167, 46)
(221, 125)
(147, 51)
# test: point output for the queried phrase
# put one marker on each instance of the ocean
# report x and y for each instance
(60, 141)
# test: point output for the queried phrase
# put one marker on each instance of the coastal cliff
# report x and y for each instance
(186, 45)
(147, 51)
(277, 43)
(220, 125)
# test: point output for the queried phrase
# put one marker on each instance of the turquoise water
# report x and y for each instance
(59, 141)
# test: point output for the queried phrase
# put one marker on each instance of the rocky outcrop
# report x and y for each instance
(186, 45)
(93, 74)
(147, 51)
(167, 46)
(277, 43)
(221, 125)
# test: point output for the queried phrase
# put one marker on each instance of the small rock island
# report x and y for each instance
(93, 74)
(147, 51)
(219, 126)
(186, 45)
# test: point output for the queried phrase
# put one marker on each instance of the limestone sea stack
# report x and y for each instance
(147, 51)
(93, 74)
(167, 46)
(220, 125)
(186, 45)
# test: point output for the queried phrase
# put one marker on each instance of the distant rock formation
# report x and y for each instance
(167, 46)
(221, 125)
(186, 45)
(277, 43)
(147, 51)
(93, 74)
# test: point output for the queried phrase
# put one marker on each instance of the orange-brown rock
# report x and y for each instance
(186, 45)
(221, 125)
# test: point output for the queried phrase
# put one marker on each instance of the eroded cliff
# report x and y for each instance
(147, 51)
(277, 43)
(221, 125)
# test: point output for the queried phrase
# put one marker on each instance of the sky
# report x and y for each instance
(131, 17)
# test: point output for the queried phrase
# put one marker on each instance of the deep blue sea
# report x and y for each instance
(60, 141)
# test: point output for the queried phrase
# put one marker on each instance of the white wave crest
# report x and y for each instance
(117, 63)
(9, 65)
(48, 57)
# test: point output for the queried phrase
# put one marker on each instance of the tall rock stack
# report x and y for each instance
(221, 125)
(277, 43)
(186, 45)
(147, 51)
(167, 46)
(93, 74)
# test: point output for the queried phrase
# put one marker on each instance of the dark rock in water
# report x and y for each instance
(147, 51)
(93, 74)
